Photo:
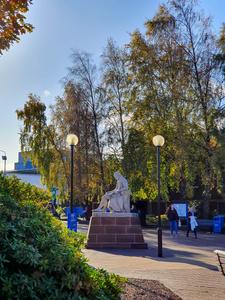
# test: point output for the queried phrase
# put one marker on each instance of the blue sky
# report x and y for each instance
(40, 60)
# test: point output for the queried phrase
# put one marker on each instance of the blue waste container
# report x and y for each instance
(218, 223)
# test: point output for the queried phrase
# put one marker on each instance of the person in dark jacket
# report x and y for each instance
(173, 218)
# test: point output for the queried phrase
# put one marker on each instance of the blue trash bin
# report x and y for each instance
(218, 223)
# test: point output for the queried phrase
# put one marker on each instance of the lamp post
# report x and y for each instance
(4, 158)
(158, 141)
(72, 141)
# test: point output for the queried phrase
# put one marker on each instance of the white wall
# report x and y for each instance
(34, 179)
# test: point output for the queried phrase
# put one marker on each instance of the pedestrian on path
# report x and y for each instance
(173, 218)
(191, 223)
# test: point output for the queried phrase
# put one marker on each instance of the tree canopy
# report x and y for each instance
(13, 21)
(168, 80)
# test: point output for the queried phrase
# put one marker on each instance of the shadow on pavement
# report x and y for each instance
(174, 249)
(169, 255)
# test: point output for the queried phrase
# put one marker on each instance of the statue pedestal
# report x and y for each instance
(115, 230)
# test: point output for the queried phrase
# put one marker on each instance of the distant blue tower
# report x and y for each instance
(24, 165)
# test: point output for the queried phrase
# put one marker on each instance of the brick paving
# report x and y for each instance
(189, 266)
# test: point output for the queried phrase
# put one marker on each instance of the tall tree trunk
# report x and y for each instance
(97, 141)
(202, 93)
(124, 163)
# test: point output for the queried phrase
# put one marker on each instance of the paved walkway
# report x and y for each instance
(188, 267)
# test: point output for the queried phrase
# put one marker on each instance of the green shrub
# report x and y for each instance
(22, 191)
(60, 210)
(41, 259)
(153, 220)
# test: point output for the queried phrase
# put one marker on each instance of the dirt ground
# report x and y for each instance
(143, 289)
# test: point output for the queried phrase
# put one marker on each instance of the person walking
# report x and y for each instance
(191, 223)
(173, 218)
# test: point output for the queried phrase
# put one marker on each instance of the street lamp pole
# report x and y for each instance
(158, 204)
(4, 158)
(71, 176)
(158, 141)
(72, 141)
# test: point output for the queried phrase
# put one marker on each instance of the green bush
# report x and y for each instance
(41, 259)
(22, 191)
(153, 220)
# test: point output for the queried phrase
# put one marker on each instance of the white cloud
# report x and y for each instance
(46, 93)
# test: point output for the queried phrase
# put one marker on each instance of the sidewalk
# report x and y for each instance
(189, 266)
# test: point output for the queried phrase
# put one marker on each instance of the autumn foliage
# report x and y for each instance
(13, 21)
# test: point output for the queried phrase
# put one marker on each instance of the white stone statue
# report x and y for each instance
(117, 200)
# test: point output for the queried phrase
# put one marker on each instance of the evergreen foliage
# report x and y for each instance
(40, 258)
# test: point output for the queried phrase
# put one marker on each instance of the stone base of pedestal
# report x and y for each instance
(115, 230)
